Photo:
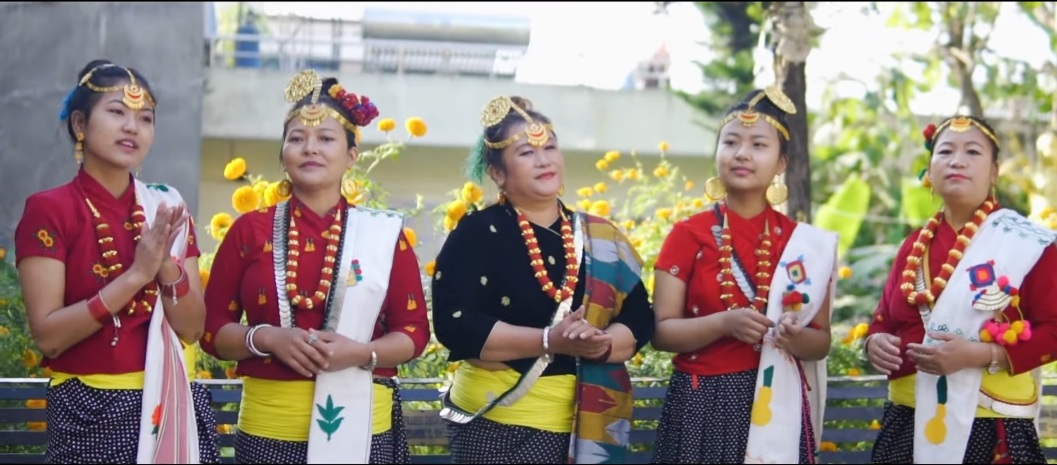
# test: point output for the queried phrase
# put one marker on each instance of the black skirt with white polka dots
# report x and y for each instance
(89, 425)
(388, 447)
(709, 422)
(895, 441)
(486, 441)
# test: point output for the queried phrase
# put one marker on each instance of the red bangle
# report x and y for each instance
(98, 309)
(176, 289)
(604, 356)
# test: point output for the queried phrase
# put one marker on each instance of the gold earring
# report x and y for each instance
(926, 181)
(714, 189)
(561, 191)
(348, 187)
(777, 193)
(286, 187)
(78, 148)
(501, 198)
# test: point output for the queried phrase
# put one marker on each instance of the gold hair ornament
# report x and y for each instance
(313, 113)
(133, 96)
(749, 116)
(962, 124)
(496, 109)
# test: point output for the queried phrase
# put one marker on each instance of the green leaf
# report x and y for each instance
(330, 421)
(941, 390)
(844, 211)
(158, 187)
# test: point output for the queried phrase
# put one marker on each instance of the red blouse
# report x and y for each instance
(57, 223)
(242, 281)
(894, 315)
(690, 253)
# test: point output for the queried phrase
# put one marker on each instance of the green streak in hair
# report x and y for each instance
(476, 165)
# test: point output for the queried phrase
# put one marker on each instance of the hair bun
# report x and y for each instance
(91, 66)
(521, 102)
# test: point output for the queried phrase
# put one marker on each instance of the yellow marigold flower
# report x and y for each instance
(36, 403)
(844, 272)
(235, 169)
(601, 187)
(456, 210)
(1047, 211)
(29, 359)
(628, 224)
(612, 156)
(220, 221)
(660, 171)
(849, 338)
(584, 204)
(224, 429)
(875, 425)
(663, 146)
(203, 374)
(471, 193)
(853, 371)
(412, 238)
(416, 127)
(3, 253)
(827, 446)
(860, 330)
(244, 199)
(430, 267)
(4, 331)
(600, 208)
(355, 195)
(449, 223)
(259, 187)
(602, 164)
(664, 213)
(37, 426)
(204, 274)
(1051, 222)
(689, 186)
(633, 174)
(697, 204)
(637, 359)
(386, 124)
(585, 192)
(617, 175)
(230, 372)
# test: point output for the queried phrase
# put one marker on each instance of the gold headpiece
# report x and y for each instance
(312, 114)
(497, 109)
(749, 116)
(962, 124)
(134, 95)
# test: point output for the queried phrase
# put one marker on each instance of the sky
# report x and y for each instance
(597, 44)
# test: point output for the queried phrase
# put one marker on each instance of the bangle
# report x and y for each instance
(374, 362)
(98, 308)
(604, 356)
(249, 341)
(178, 288)
(547, 343)
(866, 345)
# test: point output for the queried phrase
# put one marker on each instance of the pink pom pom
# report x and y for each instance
(1003, 281)
(1025, 335)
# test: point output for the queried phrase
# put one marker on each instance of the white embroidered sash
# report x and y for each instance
(166, 386)
(1006, 244)
(340, 430)
(808, 264)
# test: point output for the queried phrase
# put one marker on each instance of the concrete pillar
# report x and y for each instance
(45, 45)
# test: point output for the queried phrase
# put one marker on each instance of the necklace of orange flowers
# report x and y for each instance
(111, 266)
(293, 251)
(763, 275)
(929, 295)
(572, 265)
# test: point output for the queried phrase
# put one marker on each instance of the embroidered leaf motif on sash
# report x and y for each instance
(330, 421)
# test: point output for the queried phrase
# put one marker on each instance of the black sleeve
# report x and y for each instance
(458, 321)
(637, 314)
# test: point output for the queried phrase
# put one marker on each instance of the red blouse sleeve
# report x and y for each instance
(678, 252)
(1038, 293)
(405, 304)
(192, 240)
(223, 304)
(882, 321)
(39, 233)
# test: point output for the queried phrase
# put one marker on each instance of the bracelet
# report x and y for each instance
(547, 344)
(98, 308)
(249, 341)
(605, 356)
(374, 362)
(178, 288)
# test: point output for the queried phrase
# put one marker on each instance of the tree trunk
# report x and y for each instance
(793, 29)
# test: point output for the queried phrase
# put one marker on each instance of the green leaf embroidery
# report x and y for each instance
(160, 187)
(330, 421)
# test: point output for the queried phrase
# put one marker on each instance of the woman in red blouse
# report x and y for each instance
(104, 262)
(284, 275)
(966, 318)
(742, 296)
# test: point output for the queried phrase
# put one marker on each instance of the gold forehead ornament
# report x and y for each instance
(312, 114)
(133, 96)
(962, 124)
(749, 116)
(498, 108)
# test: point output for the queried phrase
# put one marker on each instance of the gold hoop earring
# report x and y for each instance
(561, 191)
(714, 189)
(78, 149)
(501, 198)
(926, 181)
(777, 193)
(348, 188)
(286, 187)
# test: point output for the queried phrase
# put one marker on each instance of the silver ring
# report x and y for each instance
(312, 338)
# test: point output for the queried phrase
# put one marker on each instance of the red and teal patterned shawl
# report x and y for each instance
(602, 422)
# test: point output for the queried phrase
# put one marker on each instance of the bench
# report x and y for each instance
(853, 405)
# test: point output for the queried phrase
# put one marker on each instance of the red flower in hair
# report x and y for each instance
(929, 131)
(360, 109)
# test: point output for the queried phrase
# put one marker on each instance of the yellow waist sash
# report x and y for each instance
(548, 406)
(282, 410)
(1019, 390)
(132, 380)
